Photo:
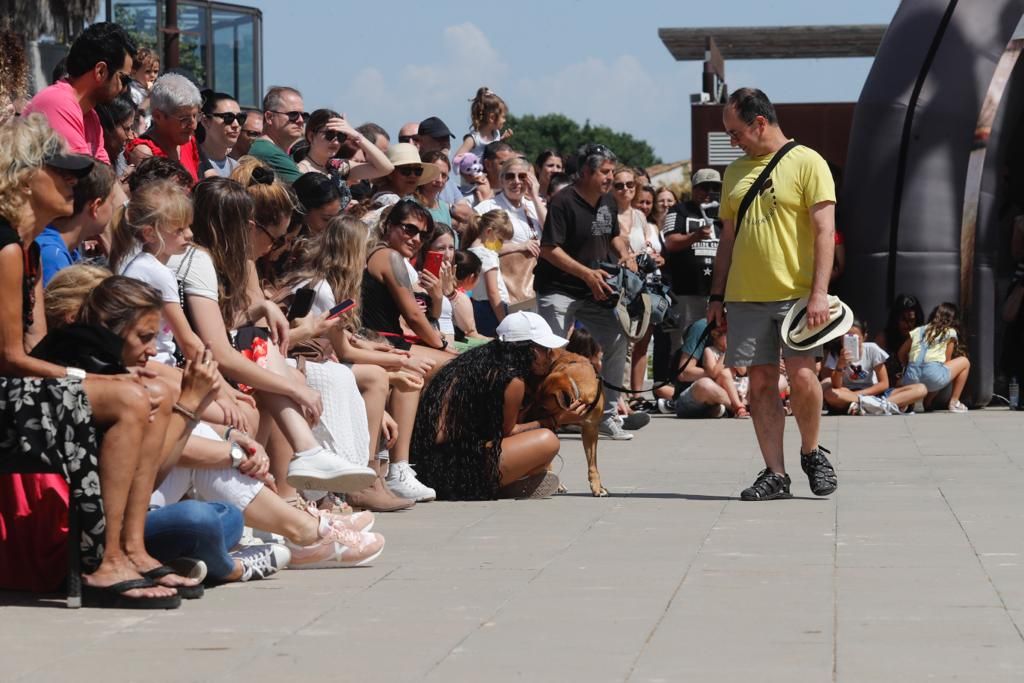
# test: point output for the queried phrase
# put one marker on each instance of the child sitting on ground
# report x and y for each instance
(933, 356)
(467, 276)
(859, 384)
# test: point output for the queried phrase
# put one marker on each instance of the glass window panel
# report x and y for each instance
(192, 41)
(234, 55)
(139, 18)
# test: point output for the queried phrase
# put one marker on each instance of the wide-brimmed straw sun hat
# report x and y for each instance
(407, 154)
(796, 334)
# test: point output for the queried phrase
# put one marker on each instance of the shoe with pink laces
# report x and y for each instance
(358, 521)
(337, 547)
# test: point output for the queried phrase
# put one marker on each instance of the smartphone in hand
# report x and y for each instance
(302, 302)
(346, 305)
(432, 263)
(851, 344)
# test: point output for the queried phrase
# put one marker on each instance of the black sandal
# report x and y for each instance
(113, 596)
(186, 592)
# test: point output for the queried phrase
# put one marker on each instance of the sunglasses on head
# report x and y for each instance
(627, 185)
(293, 116)
(512, 176)
(410, 171)
(332, 135)
(413, 230)
(229, 117)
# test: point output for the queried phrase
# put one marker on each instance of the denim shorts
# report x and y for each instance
(689, 408)
(933, 375)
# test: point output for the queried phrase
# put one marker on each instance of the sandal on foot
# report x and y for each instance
(543, 485)
(113, 596)
(742, 413)
(186, 592)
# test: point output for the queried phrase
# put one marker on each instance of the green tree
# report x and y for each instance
(536, 133)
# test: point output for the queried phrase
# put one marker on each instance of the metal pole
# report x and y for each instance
(171, 35)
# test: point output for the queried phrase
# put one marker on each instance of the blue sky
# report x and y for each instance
(396, 62)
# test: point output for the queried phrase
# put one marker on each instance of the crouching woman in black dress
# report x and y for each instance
(468, 442)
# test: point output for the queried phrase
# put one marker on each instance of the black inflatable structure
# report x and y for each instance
(934, 166)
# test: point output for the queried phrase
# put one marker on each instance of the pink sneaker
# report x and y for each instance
(338, 547)
(356, 521)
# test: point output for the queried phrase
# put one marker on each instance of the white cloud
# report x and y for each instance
(619, 91)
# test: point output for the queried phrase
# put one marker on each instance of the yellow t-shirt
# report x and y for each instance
(773, 257)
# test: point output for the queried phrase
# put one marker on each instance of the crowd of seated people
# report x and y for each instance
(213, 318)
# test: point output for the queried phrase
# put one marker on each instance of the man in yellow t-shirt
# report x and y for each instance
(782, 251)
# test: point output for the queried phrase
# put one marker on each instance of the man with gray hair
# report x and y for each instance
(174, 101)
(284, 121)
(580, 232)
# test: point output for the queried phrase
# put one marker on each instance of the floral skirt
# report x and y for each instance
(46, 426)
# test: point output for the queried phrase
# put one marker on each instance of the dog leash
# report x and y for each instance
(701, 342)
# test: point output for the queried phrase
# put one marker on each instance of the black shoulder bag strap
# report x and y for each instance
(755, 189)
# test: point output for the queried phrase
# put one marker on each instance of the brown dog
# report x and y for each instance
(573, 378)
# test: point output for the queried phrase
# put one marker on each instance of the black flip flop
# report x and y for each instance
(113, 596)
(186, 592)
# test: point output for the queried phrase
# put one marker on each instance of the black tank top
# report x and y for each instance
(32, 270)
(379, 310)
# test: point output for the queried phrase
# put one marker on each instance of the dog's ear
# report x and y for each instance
(564, 400)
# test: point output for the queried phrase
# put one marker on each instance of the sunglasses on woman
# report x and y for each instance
(410, 171)
(413, 230)
(230, 117)
(275, 242)
(628, 185)
(509, 177)
(332, 135)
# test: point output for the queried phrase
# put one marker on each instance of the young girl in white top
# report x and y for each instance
(488, 113)
(490, 298)
(151, 228)
(928, 355)
(858, 384)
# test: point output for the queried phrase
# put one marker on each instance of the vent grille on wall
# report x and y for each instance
(720, 152)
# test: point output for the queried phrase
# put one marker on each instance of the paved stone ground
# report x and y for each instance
(911, 572)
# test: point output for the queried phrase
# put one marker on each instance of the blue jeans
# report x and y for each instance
(204, 531)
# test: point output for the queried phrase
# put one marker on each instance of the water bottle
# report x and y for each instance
(1014, 394)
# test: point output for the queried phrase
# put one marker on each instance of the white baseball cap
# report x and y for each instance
(525, 326)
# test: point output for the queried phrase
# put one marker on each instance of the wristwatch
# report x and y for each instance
(237, 455)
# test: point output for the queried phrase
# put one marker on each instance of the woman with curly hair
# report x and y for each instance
(492, 455)
(103, 420)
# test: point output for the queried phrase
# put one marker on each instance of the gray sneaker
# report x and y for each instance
(261, 561)
(611, 428)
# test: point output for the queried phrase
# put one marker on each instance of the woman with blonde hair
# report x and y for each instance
(331, 264)
(37, 176)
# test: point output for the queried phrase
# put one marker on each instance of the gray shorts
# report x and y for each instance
(755, 334)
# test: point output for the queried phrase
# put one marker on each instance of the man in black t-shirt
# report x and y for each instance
(690, 246)
(581, 231)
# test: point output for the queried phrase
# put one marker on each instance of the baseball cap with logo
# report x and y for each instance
(524, 326)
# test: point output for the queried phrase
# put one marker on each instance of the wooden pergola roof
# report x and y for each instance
(775, 42)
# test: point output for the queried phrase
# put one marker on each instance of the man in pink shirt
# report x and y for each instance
(99, 66)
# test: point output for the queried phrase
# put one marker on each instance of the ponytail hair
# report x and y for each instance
(484, 106)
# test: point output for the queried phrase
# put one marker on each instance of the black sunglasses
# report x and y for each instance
(293, 116)
(126, 79)
(512, 176)
(252, 134)
(629, 184)
(229, 117)
(332, 135)
(410, 170)
(275, 242)
(413, 230)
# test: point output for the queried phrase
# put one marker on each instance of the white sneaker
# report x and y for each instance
(402, 481)
(873, 405)
(261, 561)
(611, 428)
(666, 406)
(328, 471)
